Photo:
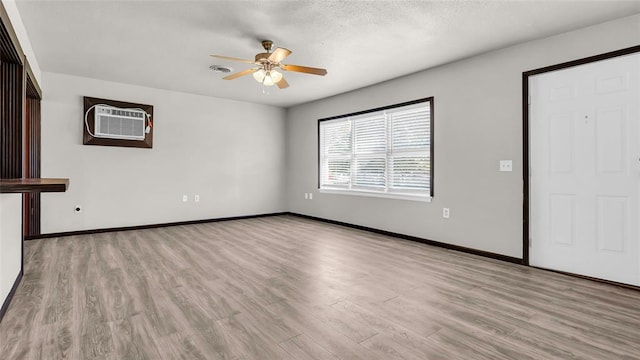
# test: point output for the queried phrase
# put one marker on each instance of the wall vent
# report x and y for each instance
(221, 69)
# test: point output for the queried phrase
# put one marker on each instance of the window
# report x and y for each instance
(381, 152)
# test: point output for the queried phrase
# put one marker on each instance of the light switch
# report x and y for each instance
(506, 165)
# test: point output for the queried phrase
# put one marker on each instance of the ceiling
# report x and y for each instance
(166, 44)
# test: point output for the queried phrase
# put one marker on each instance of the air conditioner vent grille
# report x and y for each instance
(119, 124)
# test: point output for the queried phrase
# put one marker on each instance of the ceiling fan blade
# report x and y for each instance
(279, 54)
(241, 73)
(282, 83)
(304, 69)
(233, 59)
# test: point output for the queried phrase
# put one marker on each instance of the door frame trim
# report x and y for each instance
(525, 130)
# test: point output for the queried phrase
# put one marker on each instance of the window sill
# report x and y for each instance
(421, 198)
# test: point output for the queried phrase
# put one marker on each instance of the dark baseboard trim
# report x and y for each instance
(608, 282)
(7, 301)
(463, 249)
(150, 226)
(467, 250)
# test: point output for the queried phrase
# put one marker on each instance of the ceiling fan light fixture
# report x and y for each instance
(259, 75)
(276, 76)
(267, 78)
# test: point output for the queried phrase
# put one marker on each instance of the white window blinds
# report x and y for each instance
(370, 151)
(336, 154)
(379, 152)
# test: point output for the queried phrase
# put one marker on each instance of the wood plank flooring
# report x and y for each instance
(285, 287)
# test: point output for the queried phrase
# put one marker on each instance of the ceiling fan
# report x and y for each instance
(267, 63)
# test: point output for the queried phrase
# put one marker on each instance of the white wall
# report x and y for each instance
(21, 33)
(478, 121)
(10, 241)
(230, 153)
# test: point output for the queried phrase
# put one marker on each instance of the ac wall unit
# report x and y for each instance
(114, 123)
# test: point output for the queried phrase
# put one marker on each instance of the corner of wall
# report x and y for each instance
(287, 160)
(23, 38)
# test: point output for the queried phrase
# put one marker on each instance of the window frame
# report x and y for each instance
(363, 192)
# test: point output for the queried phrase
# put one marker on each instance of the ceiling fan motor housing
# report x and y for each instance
(262, 57)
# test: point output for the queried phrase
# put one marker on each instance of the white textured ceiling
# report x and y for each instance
(166, 44)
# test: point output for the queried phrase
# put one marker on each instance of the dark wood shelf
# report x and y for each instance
(33, 185)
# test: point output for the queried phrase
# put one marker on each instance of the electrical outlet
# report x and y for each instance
(445, 213)
(506, 165)
(185, 198)
(310, 196)
(196, 198)
(306, 196)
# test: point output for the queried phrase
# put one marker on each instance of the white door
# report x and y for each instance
(584, 157)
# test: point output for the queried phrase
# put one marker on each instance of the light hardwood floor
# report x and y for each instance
(285, 287)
